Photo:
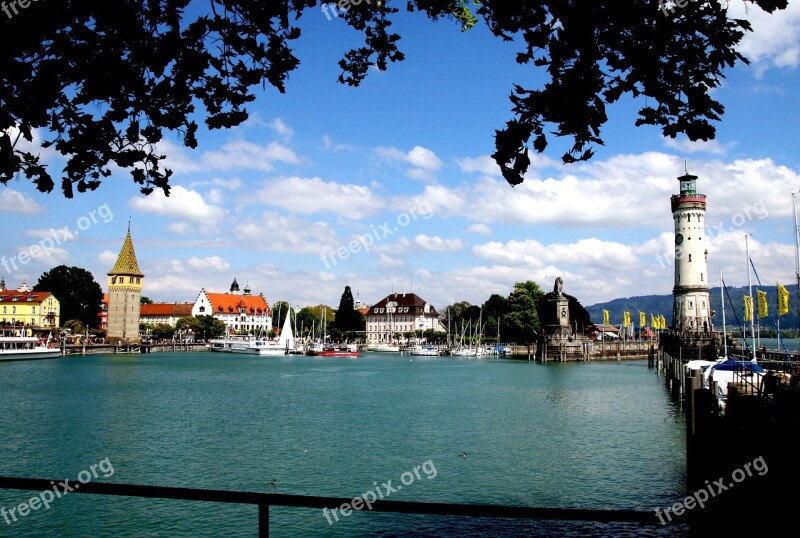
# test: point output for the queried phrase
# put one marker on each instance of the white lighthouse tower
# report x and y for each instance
(691, 311)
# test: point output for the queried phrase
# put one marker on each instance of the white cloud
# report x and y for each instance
(423, 161)
(274, 232)
(16, 202)
(56, 234)
(437, 244)
(314, 195)
(684, 145)
(237, 155)
(280, 127)
(182, 204)
(107, 258)
(209, 263)
(480, 229)
(775, 39)
(249, 156)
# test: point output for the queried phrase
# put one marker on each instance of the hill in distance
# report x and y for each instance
(734, 307)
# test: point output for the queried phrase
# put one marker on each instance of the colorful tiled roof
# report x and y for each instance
(228, 302)
(126, 261)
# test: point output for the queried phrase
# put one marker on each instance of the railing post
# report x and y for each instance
(263, 520)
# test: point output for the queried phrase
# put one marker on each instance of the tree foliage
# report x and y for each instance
(79, 295)
(202, 326)
(103, 82)
(347, 318)
(522, 318)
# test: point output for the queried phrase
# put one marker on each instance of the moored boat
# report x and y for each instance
(383, 348)
(15, 347)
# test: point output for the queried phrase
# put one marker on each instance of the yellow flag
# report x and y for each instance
(627, 318)
(763, 310)
(662, 322)
(642, 319)
(748, 308)
(783, 300)
(605, 317)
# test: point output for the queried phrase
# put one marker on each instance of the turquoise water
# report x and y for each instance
(584, 435)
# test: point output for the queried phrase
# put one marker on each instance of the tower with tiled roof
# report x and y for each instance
(125, 281)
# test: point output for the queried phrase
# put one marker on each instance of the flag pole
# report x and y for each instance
(750, 291)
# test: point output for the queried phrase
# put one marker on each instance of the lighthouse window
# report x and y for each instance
(691, 304)
(690, 257)
(701, 279)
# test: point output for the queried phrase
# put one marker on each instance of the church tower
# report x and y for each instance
(124, 293)
(691, 301)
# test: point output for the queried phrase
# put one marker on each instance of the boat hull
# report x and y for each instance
(30, 354)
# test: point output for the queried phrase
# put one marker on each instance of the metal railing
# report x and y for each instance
(265, 500)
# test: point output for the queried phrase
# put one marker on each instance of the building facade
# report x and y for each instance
(125, 282)
(691, 301)
(240, 312)
(164, 313)
(35, 309)
(400, 313)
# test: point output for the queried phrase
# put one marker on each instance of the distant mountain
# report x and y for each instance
(662, 304)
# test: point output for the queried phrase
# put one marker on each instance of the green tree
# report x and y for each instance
(279, 312)
(163, 330)
(77, 292)
(136, 71)
(347, 317)
(522, 319)
(75, 326)
(145, 300)
(208, 327)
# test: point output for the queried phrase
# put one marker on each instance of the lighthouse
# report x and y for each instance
(691, 311)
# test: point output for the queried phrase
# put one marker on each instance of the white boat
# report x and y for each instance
(253, 345)
(16, 347)
(383, 347)
(248, 345)
(425, 351)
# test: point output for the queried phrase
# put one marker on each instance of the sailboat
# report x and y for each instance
(254, 345)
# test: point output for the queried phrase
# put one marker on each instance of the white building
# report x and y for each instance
(692, 304)
(400, 313)
(243, 313)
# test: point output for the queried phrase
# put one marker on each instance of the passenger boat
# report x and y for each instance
(425, 351)
(15, 347)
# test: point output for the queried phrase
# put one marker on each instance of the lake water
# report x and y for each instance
(583, 435)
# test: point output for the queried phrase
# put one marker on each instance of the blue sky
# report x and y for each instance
(390, 185)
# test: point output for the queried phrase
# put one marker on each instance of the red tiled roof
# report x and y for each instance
(228, 302)
(38, 296)
(166, 309)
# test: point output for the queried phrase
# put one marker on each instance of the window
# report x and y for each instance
(701, 279)
(690, 257)
(33, 310)
(13, 309)
(202, 309)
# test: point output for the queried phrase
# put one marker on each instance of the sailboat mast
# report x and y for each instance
(796, 250)
(750, 291)
(722, 296)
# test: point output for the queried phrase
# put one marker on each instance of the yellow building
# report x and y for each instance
(38, 309)
(125, 282)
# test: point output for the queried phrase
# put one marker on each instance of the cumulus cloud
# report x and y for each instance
(208, 263)
(184, 205)
(423, 161)
(314, 195)
(17, 202)
(275, 232)
(775, 39)
(437, 244)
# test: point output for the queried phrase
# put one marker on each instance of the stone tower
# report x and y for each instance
(691, 309)
(125, 282)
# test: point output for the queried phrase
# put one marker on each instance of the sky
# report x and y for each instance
(390, 187)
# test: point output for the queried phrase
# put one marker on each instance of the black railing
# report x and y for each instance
(265, 500)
